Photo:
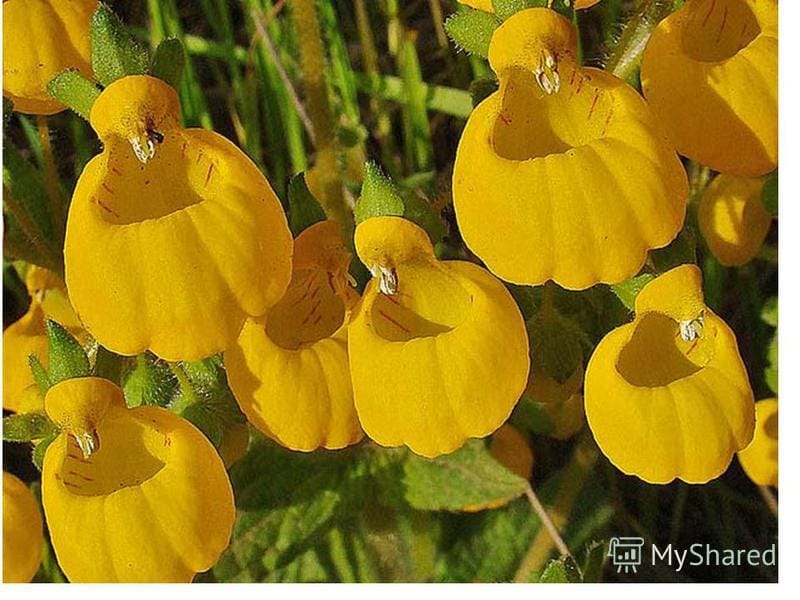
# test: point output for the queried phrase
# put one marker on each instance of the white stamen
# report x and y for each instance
(388, 281)
(138, 144)
(87, 443)
(546, 73)
(691, 329)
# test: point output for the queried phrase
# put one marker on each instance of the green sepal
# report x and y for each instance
(66, 357)
(505, 8)
(115, 52)
(74, 91)
(379, 196)
(149, 382)
(40, 375)
(26, 427)
(471, 30)
(304, 209)
(169, 60)
(630, 288)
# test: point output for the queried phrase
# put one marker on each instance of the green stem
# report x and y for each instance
(572, 480)
(627, 55)
(312, 64)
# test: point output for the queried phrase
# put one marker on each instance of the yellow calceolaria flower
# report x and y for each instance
(22, 531)
(289, 369)
(438, 349)
(484, 5)
(561, 174)
(733, 219)
(173, 237)
(131, 495)
(710, 74)
(667, 395)
(41, 38)
(27, 336)
(510, 448)
(760, 459)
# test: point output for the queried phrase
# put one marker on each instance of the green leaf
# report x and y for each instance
(771, 371)
(287, 502)
(26, 427)
(505, 8)
(769, 312)
(468, 476)
(594, 561)
(74, 91)
(379, 196)
(31, 233)
(561, 570)
(630, 288)
(41, 448)
(769, 193)
(115, 52)
(304, 209)
(471, 30)
(555, 349)
(149, 382)
(169, 61)
(66, 357)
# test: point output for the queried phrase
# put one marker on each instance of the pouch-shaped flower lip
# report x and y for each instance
(438, 349)
(173, 235)
(289, 369)
(22, 531)
(150, 501)
(562, 174)
(760, 459)
(41, 38)
(667, 395)
(710, 74)
(733, 219)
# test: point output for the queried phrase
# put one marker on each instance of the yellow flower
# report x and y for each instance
(760, 459)
(710, 74)
(41, 38)
(27, 335)
(174, 237)
(438, 349)
(667, 395)
(581, 4)
(133, 495)
(484, 5)
(289, 369)
(22, 531)
(510, 448)
(733, 219)
(560, 174)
